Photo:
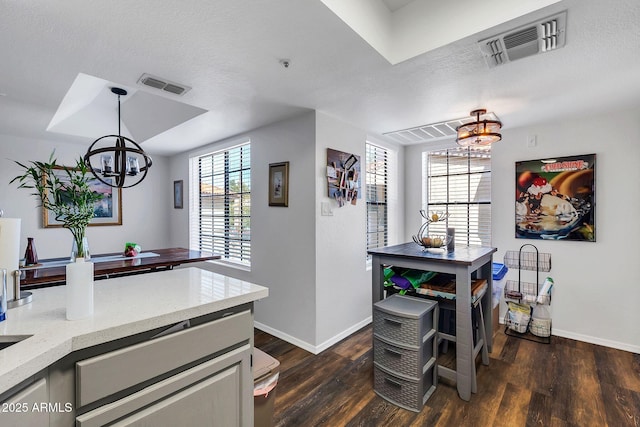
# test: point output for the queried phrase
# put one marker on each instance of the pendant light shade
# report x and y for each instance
(116, 160)
(480, 132)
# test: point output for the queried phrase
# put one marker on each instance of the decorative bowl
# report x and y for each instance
(433, 241)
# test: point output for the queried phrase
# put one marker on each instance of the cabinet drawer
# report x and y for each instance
(404, 361)
(408, 394)
(103, 375)
(404, 320)
(207, 393)
(400, 329)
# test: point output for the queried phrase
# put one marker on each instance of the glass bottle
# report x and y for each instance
(30, 255)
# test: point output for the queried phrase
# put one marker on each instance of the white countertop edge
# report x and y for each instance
(48, 345)
(102, 336)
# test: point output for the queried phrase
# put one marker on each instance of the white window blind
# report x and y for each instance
(376, 178)
(224, 203)
(458, 182)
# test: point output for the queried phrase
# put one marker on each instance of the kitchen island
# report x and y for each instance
(465, 263)
(123, 359)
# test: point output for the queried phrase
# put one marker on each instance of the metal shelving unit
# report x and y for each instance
(527, 294)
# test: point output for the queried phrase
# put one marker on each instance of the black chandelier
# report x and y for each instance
(123, 164)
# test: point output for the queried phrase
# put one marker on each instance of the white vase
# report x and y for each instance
(79, 289)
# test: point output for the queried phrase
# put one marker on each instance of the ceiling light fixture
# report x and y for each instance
(480, 132)
(118, 162)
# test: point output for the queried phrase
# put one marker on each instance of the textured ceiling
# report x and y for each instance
(229, 52)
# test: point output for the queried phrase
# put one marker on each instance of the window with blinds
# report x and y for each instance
(376, 178)
(458, 182)
(224, 203)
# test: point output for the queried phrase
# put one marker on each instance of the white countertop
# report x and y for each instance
(122, 306)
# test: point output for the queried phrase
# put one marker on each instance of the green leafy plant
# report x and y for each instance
(64, 191)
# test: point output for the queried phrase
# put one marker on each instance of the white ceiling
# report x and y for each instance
(229, 52)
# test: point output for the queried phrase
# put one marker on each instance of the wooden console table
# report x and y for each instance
(463, 262)
(166, 259)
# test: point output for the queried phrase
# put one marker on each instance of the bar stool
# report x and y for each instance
(447, 308)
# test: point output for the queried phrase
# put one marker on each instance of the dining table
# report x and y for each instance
(52, 272)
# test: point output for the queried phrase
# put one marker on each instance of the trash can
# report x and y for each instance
(266, 371)
(499, 271)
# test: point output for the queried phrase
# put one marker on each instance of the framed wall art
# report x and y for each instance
(107, 211)
(343, 177)
(279, 184)
(178, 194)
(555, 198)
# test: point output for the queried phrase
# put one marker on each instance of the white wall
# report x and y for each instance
(283, 242)
(314, 266)
(597, 284)
(343, 284)
(144, 207)
(596, 292)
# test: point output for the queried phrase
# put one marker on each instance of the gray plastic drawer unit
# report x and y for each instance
(404, 392)
(404, 360)
(404, 350)
(404, 320)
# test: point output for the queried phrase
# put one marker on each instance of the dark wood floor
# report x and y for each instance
(565, 383)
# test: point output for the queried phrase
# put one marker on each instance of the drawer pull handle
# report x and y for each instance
(393, 322)
(393, 352)
(393, 383)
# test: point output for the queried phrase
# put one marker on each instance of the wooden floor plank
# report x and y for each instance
(539, 414)
(611, 362)
(379, 412)
(514, 407)
(356, 345)
(578, 397)
(564, 384)
(621, 406)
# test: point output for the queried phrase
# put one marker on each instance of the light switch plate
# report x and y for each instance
(325, 209)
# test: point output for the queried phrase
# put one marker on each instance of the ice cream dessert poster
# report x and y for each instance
(555, 198)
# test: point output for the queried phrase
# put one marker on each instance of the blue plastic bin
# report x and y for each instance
(499, 271)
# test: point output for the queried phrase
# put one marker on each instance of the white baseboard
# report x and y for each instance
(599, 341)
(309, 347)
(285, 337)
(342, 335)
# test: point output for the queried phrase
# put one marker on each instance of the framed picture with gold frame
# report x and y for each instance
(279, 184)
(107, 211)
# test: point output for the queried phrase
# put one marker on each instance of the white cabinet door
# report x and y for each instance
(27, 408)
(214, 393)
(213, 402)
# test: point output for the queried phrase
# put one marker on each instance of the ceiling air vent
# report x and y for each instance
(434, 131)
(162, 84)
(531, 39)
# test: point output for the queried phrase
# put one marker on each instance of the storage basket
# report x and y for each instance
(518, 324)
(540, 327)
